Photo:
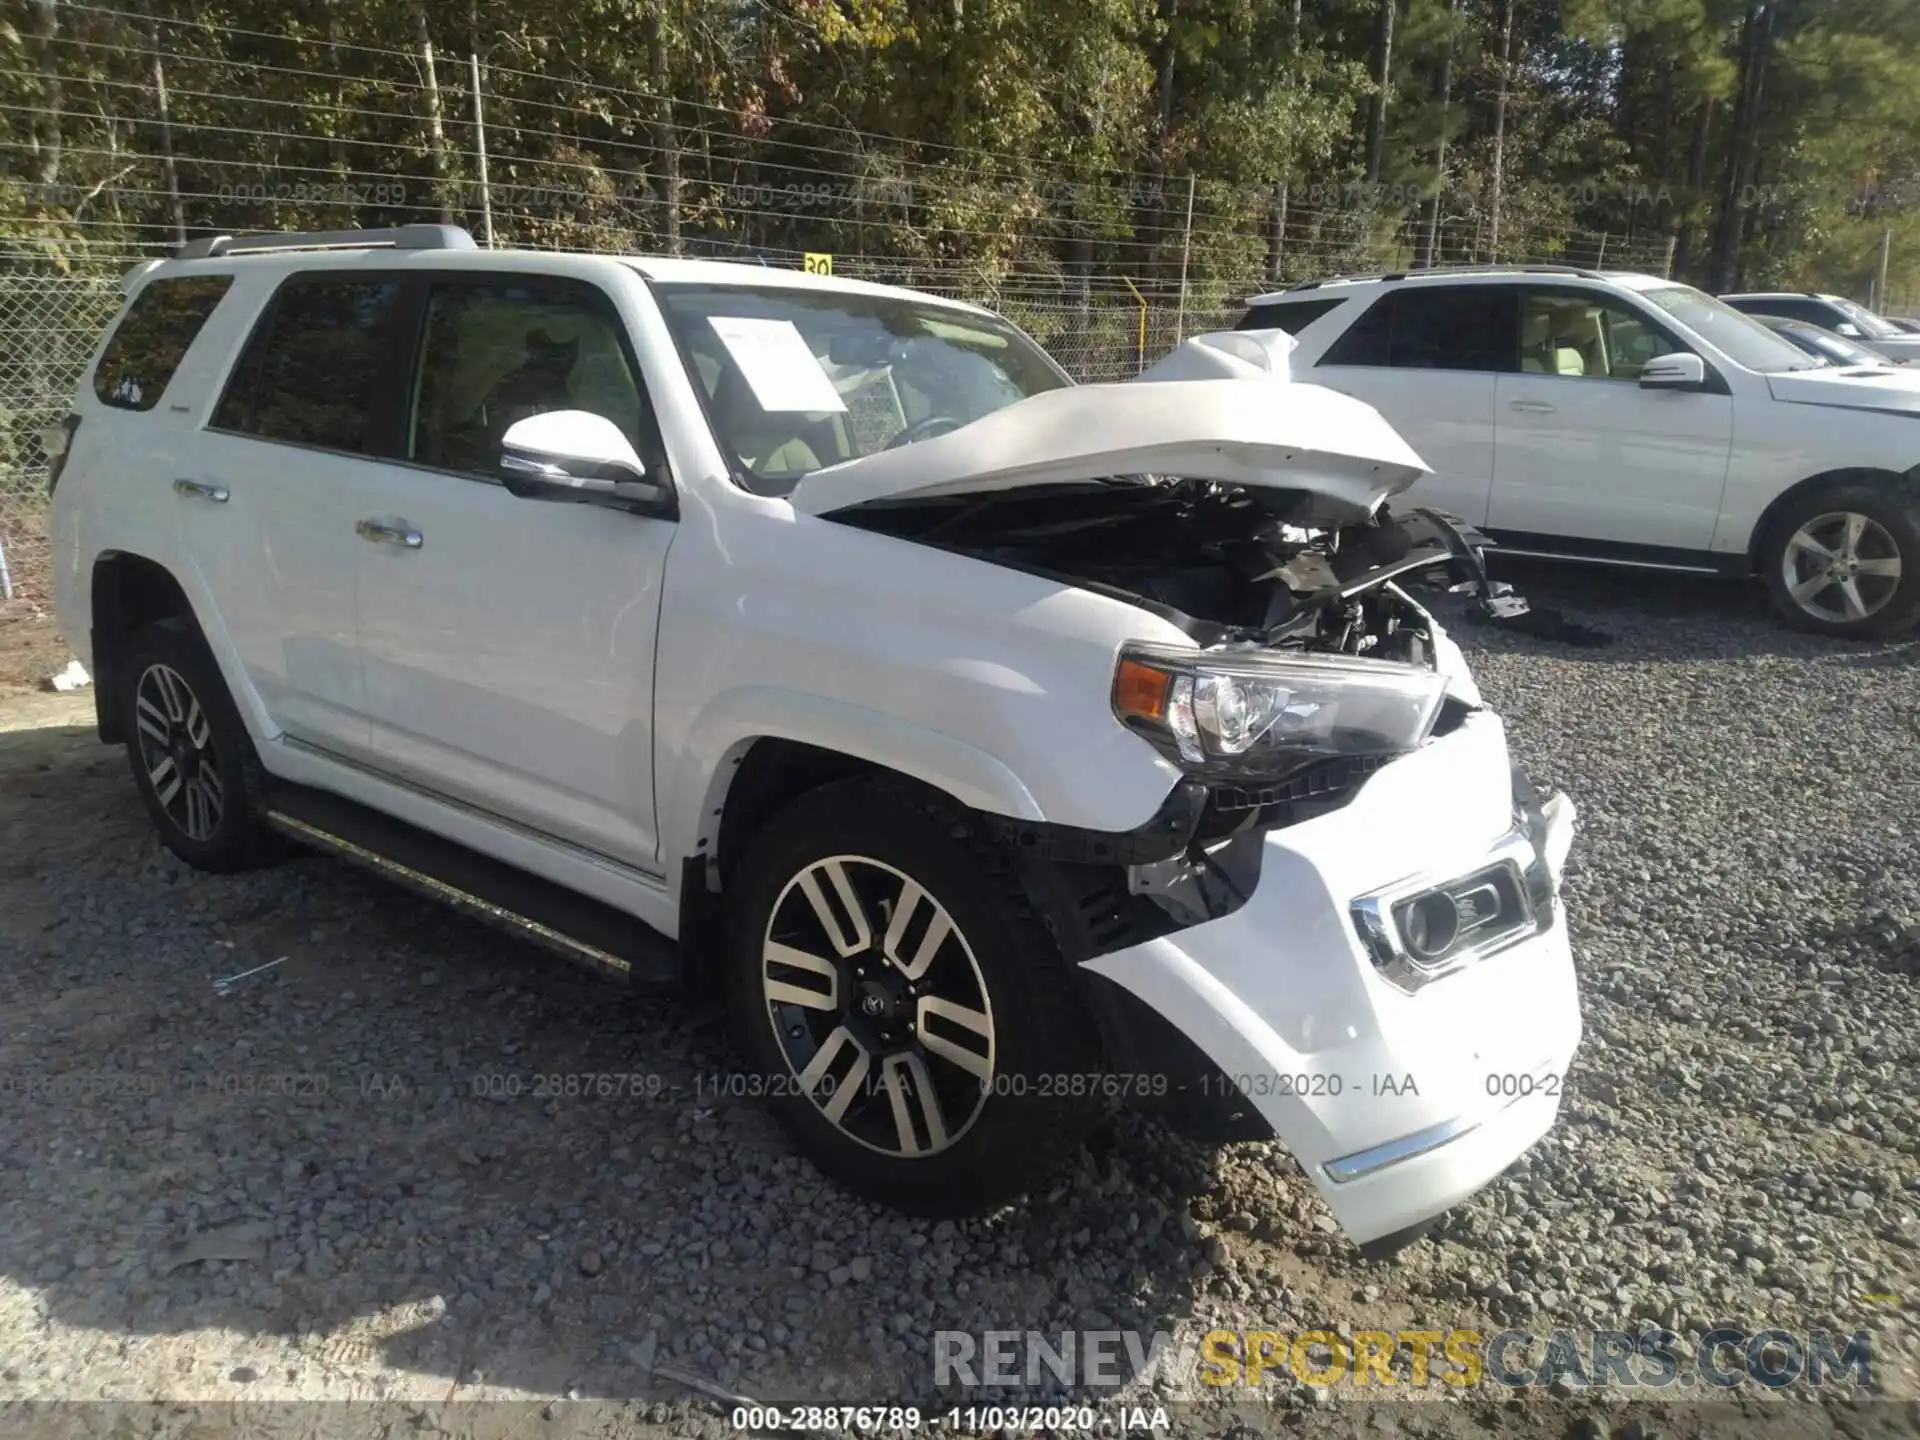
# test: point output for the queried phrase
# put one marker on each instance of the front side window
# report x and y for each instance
(312, 374)
(1584, 334)
(1741, 338)
(1433, 327)
(152, 339)
(1871, 325)
(797, 379)
(495, 353)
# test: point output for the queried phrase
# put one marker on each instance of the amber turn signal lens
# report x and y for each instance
(1140, 691)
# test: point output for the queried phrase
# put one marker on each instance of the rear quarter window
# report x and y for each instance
(1292, 316)
(153, 337)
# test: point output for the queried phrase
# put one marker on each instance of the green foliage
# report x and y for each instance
(1053, 141)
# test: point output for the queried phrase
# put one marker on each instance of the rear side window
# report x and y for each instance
(152, 339)
(1292, 316)
(1451, 327)
(315, 371)
(1814, 312)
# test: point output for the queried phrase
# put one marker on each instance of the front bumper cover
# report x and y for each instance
(1397, 1104)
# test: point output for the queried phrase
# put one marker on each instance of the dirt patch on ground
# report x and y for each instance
(30, 647)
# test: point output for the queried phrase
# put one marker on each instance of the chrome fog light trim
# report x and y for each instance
(1429, 926)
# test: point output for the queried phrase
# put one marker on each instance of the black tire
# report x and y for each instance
(1892, 605)
(1028, 1118)
(181, 726)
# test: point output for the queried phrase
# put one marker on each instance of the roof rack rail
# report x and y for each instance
(1462, 268)
(400, 237)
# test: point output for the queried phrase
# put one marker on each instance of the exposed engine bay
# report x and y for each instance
(1233, 567)
(1228, 564)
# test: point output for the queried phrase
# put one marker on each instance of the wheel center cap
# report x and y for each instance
(875, 1000)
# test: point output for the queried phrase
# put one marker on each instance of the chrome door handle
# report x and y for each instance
(201, 490)
(1532, 407)
(389, 532)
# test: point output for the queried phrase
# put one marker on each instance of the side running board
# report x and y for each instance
(583, 930)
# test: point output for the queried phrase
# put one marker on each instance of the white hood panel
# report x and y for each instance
(1885, 390)
(1260, 429)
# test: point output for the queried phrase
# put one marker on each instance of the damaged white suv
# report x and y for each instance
(1005, 751)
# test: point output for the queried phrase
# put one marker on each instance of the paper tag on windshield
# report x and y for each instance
(777, 364)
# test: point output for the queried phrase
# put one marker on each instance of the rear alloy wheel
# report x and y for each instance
(174, 734)
(901, 1004)
(190, 754)
(1847, 562)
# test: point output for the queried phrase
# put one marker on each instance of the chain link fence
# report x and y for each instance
(49, 325)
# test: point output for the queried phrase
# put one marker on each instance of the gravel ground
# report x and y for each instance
(302, 1189)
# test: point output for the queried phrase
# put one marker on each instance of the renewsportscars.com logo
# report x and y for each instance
(1191, 1363)
(1726, 1356)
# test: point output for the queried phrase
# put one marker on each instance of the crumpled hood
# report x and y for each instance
(1892, 389)
(1178, 418)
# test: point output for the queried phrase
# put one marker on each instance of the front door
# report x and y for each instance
(1583, 452)
(508, 644)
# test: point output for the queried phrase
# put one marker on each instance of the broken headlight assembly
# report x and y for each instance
(1264, 713)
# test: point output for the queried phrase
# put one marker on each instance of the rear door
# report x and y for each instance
(508, 644)
(1583, 452)
(288, 463)
(1426, 357)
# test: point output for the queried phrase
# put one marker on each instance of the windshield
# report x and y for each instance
(798, 379)
(1870, 324)
(1741, 338)
(1837, 348)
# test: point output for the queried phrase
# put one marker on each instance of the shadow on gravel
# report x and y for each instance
(417, 1145)
(1656, 615)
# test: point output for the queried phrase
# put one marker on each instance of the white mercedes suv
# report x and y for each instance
(1631, 420)
(1003, 750)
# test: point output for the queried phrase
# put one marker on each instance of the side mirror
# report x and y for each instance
(1674, 372)
(577, 456)
(1848, 329)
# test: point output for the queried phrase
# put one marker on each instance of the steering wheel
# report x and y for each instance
(925, 429)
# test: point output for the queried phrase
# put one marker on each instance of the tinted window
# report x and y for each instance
(1292, 316)
(1790, 308)
(313, 372)
(496, 353)
(1436, 327)
(1811, 311)
(153, 338)
(1582, 333)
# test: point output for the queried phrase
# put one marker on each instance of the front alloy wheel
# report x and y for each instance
(878, 1005)
(900, 1003)
(175, 740)
(1841, 567)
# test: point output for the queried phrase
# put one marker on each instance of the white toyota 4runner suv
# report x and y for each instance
(1001, 749)
(1629, 419)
